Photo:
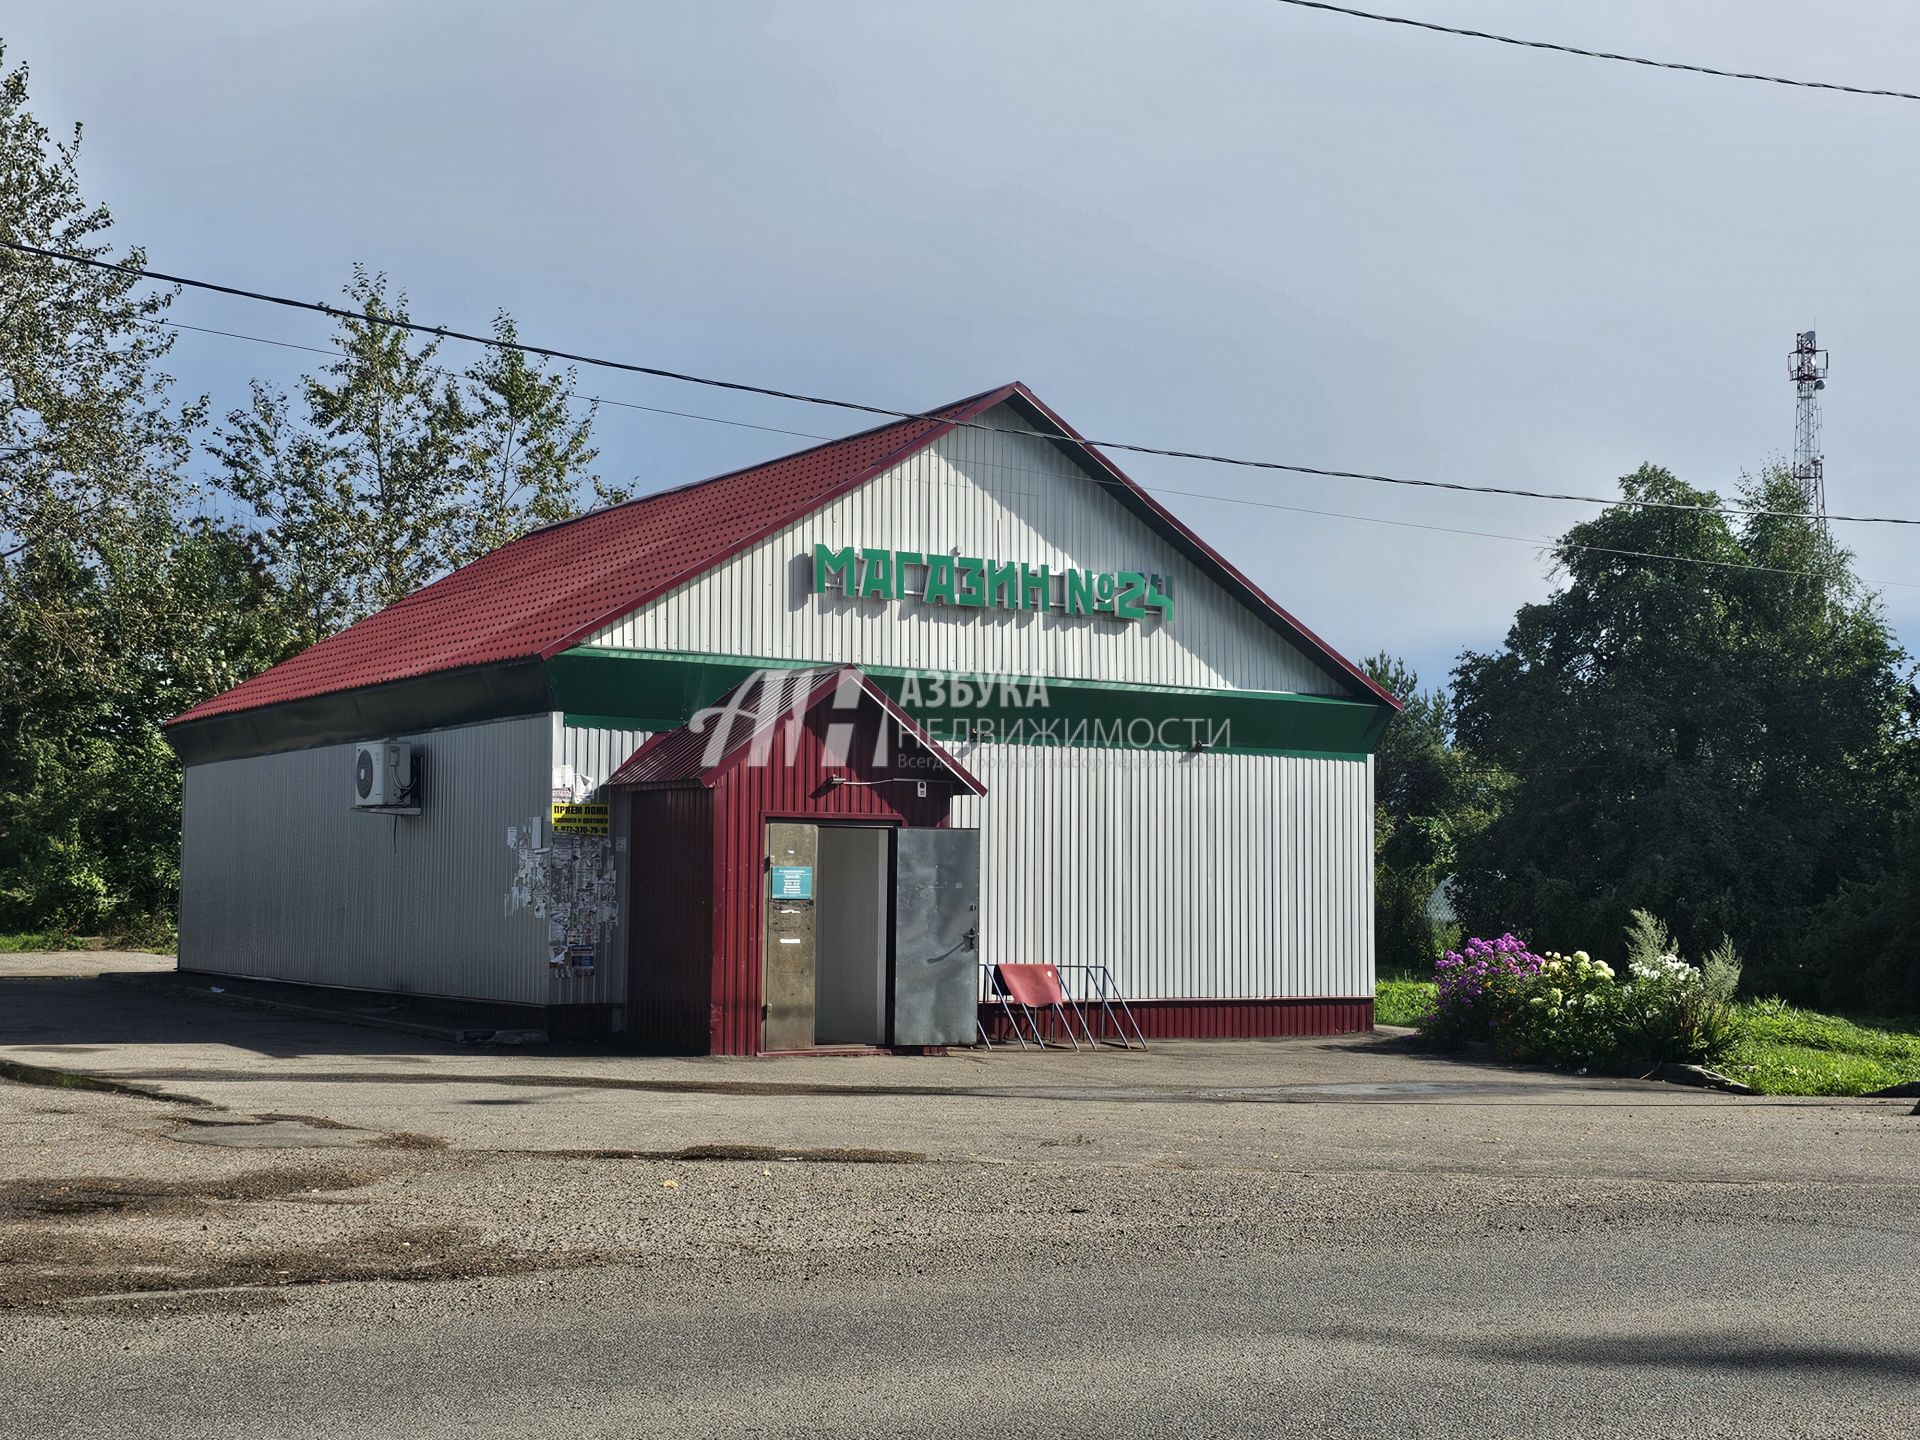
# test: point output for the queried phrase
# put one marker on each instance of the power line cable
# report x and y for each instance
(800, 397)
(441, 370)
(1537, 541)
(1586, 54)
(1540, 542)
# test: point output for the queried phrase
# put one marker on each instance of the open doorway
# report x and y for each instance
(871, 935)
(850, 946)
(829, 925)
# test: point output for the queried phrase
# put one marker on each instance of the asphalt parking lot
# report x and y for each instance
(312, 1228)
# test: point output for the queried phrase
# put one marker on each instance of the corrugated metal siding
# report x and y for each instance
(1014, 497)
(1209, 1019)
(283, 879)
(541, 590)
(1193, 876)
(745, 798)
(670, 954)
(595, 753)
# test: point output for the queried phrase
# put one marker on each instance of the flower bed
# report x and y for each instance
(1575, 1010)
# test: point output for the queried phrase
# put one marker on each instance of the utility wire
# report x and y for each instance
(1717, 73)
(445, 373)
(1537, 541)
(744, 388)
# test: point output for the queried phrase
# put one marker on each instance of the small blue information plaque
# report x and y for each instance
(791, 882)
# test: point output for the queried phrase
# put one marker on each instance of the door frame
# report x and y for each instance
(815, 818)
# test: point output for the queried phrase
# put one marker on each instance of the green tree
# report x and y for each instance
(89, 444)
(121, 605)
(1429, 797)
(1723, 738)
(359, 502)
(96, 653)
(103, 597)
(397, 470)
(1875, 925)
(526, 452)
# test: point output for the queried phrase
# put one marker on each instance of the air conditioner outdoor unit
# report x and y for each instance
(383, 775)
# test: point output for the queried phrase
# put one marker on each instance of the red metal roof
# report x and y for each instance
(701, 752)
(551, 589)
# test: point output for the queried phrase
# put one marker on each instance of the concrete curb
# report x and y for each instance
(1906, 1090)
(451, 1034)
(1698, 1076)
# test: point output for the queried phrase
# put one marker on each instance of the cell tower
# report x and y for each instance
(1807, 368)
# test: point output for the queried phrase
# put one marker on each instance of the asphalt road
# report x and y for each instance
(1776, 1329)
(324, 1232)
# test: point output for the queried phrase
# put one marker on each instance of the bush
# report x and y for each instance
(1476, 987)
(1569, 1013)
(1574, 1010)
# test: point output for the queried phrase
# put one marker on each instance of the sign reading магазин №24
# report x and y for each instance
(972, 580)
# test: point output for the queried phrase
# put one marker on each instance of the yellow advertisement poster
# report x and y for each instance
(576, 819)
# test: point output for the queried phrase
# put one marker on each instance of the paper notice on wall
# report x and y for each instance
(571, 785)
(571, 884)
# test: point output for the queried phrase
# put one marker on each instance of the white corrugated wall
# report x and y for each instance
(1009, 497)
(282, 878)
(1207, 875)
(593, 752)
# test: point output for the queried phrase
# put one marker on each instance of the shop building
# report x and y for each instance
(778, 760)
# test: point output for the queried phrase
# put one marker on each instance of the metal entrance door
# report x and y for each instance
(787, 949)
(936, 936)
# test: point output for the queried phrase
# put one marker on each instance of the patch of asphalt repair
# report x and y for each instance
(84, 1195)
(216, 1242)
(423, 1212)
(56, 1269)
(757, 1154)
(276, 1130)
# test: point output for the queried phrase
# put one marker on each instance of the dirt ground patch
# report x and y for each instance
(37, 1198)
(46, 1267)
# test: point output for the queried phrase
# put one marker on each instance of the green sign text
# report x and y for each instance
(970, 580)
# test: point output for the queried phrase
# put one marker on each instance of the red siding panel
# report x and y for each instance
(670, 945)
(1227, 1019)
(746, 798)
(698, 856)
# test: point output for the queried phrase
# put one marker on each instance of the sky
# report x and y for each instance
(1222, 225)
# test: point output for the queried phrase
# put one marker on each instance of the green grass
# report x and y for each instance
(156, 939)
(22, 942)
(1400, 999)
(1785, 1050)
(1789, 1051)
